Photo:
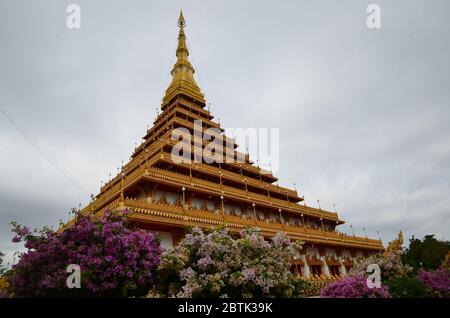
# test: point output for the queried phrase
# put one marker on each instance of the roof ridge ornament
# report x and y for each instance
(183, 81)
(181, 22)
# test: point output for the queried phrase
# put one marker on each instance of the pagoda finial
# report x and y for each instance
(182, 50)
(183, 81)
(181, 21)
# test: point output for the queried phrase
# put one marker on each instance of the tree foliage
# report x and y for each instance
(406, 287)
(427, 253)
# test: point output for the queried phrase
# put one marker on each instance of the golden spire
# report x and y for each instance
(181, 21)
(183, 81)
(182, 50)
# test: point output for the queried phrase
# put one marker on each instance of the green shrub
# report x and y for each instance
(406, 287)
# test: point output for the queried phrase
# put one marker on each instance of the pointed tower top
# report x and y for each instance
(183, 82)
(181, 21)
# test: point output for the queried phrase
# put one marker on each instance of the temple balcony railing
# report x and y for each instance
(184, 180)
(191, 105)
(232, 176)
(137, 162)
(190, 125)
(184, 216)
(177, 179)
(197, 117)
(250, 197)
(236, 154)
(166, 139)
(313, 260)
(166, 136)
(160, 123)
(167, 156)
(347, 262)
(332, 261)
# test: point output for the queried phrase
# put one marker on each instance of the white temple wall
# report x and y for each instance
(306, 271)
(197, 203)
(210, 205)
(159, 194)
(313, 251)
(166, 238)
(343, 270)
(295, 220)
(260, 215)
(331, 252)
(326, 270)
(312, 224)
(228, 208)
(172, 197)
(346, 253)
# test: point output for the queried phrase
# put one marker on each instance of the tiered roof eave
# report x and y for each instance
(242, 182)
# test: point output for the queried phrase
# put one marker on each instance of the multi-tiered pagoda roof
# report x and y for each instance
(165, 195)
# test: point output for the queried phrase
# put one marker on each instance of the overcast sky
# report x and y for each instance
(363, 113)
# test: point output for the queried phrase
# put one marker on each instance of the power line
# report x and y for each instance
(39, 148)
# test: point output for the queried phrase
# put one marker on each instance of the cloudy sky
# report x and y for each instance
(363, 113)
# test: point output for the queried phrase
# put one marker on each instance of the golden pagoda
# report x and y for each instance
(166, 196)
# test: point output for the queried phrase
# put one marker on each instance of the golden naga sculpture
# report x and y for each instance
(395, 245)
(446, 262)
(4, 284)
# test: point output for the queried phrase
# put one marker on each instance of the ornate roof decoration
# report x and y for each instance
(395, 246)
(183, 82)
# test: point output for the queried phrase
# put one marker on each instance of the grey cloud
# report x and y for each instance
(363, 114)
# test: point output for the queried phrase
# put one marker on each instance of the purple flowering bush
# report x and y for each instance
(398, 280)
(354, 287)
(437, 282)
(215, 264)
(114, 260)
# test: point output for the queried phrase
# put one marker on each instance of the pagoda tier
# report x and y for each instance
(168, 213)
(166, 195)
